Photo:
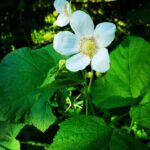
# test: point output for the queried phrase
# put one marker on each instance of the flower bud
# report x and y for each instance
(62, 63)
(89, 74)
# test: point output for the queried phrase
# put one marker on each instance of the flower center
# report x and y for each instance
(88, 46)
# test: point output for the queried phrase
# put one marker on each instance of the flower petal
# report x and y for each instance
(77, 62)
(104, 34)
(66, 43)
(82, 24)
(59, 5)
(68, 8)
(62, 20)
(100, 61)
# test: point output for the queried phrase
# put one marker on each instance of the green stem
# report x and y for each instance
(131, 125)
(86, 106)
(87, 90)
(35, 143)
(120, 117)
(90, 82)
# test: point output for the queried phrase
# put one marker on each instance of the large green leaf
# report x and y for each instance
(82, 133)
(129, 75)
(141, 113)
(90, 132)
(8, 133)
(22, 99)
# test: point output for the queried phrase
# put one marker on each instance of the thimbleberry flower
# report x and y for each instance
(87, 45)
(64, 8)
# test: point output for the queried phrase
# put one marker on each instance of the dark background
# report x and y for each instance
(31, 23)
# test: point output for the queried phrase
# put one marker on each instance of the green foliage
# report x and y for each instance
(90, 132)
(140, 113)
(129, 75)
(121, 140)
(82, 132)
(22, 73)
(8, 133)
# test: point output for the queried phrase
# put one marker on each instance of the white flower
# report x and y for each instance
(64, 8)
(88, 45)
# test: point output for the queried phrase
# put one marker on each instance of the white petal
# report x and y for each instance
(100, 61)
(82, 24)
(104, 34)
(66, 43)
(59, 5)
(62, 20)
(77, 62)
(68, 8)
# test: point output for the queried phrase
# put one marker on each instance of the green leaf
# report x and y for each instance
(21, 98)
(140, 113)
(11, 144)
(122, 141)
(60, 78)
(115, 102)
(129, 74)
(67, 78)
(90, 132)
(8, 133)
(81, 133)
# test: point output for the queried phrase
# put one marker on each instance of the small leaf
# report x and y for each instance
(60, 78)
(67, 78)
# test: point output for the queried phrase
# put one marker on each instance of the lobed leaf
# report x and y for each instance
(22, 99)
(129, 75)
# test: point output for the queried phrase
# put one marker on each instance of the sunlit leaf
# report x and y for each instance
(129, 75)
(8, 133)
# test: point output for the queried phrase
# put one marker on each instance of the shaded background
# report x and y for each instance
(31, 23)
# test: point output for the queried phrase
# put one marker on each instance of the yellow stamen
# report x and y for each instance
(88, 46)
